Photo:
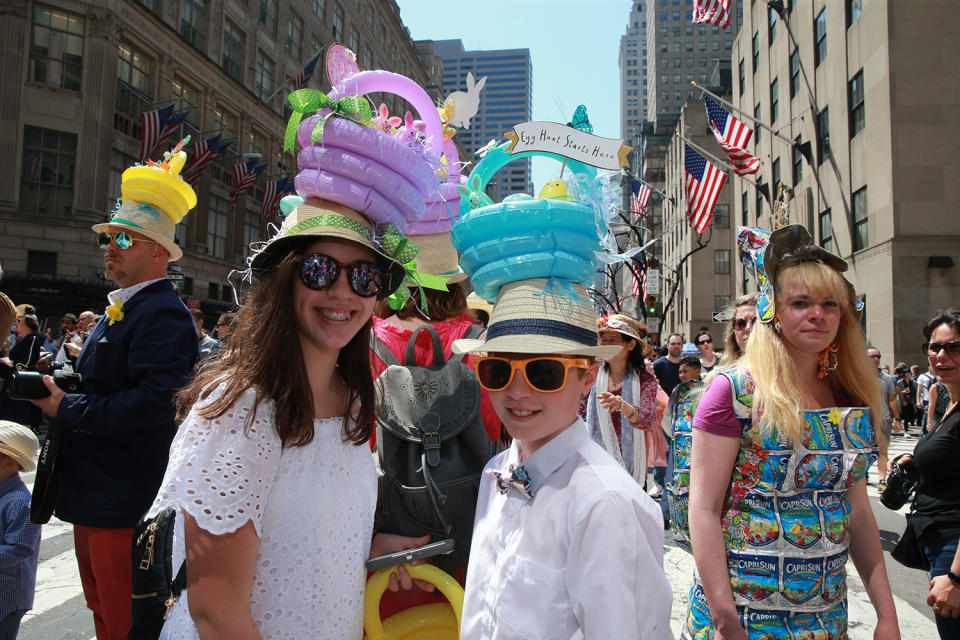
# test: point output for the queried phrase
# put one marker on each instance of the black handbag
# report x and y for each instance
(902, 481)
(908, 551)
(154, 587)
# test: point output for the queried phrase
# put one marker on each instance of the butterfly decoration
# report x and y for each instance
(580, 120)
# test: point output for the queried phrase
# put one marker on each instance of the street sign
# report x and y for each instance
(653, 280)
(720, 316)
(653, 324)
(175, 276)
(173, 267)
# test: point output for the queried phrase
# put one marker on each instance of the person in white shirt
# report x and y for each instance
(565, 543)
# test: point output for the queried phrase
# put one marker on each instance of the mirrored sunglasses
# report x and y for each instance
(319, 271)
(933, 348)
(123, 239)
(546, 374)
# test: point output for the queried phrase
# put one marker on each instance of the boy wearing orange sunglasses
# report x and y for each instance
(564, 539)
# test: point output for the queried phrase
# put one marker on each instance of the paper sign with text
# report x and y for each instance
(552, 137)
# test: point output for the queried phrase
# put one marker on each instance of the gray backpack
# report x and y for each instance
(431, 447)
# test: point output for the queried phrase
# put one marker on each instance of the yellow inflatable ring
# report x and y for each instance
(438, 621)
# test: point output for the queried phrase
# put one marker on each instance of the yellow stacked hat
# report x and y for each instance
(154, 200)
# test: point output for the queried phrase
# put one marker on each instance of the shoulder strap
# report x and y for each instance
(410, 359)
(473, 332)
(382, 350)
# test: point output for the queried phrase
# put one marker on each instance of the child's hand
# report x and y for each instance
(384, 543)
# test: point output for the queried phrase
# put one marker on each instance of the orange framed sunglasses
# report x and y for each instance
(547, 374)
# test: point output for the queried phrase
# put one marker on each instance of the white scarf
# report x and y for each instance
(632, 445)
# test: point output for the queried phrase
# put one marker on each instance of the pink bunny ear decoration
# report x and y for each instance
(341, 63)
(384, 121)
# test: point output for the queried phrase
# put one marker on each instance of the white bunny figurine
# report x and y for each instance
(462, 106)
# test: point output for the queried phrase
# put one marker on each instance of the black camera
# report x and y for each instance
(28, 385)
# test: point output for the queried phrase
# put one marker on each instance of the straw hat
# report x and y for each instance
(476, 302)
(625, 325)
(532, 317)
(8, 314)
(154, 200)
(18, 442)
(438, 256)
(316, 218)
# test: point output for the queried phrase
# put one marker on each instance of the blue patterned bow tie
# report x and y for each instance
(516, 478)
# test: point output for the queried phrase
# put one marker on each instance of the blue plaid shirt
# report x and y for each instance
(19, 547)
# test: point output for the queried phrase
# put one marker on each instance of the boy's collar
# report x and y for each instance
(552, 455)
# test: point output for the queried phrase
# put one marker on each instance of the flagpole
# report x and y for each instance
(280, 88)
(753, 119)
(727, 167)
(662, 192)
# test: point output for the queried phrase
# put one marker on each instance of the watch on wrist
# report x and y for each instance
(954, 578)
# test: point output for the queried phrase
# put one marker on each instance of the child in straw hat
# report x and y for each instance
(19, 538)
(564, 539)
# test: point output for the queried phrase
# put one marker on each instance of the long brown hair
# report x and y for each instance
(264, 354)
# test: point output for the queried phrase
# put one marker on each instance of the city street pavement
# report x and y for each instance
(59, 612)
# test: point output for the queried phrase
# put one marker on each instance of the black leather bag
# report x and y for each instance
(902, 482)
(908, 551)
(154, 587)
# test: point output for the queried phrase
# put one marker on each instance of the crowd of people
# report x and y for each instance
(257, 441)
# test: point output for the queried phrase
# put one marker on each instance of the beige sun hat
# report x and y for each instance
(20, 443)
(154, 199)
(476, 302)
(438, 256)
(532, 317)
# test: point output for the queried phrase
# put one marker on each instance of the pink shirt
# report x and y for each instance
(715, 411)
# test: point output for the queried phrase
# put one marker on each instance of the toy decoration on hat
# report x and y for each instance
(154, 199)
(763, 254)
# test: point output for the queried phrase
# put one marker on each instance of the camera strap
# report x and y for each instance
(46, 486)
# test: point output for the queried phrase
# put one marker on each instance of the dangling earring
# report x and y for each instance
(827, 361)
(777, 327)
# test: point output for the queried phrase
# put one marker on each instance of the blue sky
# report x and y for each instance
(573, 48)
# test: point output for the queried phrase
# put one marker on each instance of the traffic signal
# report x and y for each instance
(651, 304)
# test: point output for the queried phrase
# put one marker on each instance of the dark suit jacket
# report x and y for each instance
(116, 434)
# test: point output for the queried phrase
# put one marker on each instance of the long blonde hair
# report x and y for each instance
(779, 387)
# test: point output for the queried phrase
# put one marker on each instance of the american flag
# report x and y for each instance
(154, 123)
(639, 287)
(244, 175)
(170, 128)
(702, 187)
(272, 193)
(639, 198)
(713, 11)
(733, 135)
(204, 151)
(306, 73)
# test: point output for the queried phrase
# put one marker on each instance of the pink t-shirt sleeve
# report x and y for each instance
(715, 411)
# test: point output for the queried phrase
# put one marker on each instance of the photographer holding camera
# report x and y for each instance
(23, 357)
(109, 443)
(934, 521)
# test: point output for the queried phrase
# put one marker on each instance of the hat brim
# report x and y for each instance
(27, 464)
(174, 252)
(535, 345)
(645, 347)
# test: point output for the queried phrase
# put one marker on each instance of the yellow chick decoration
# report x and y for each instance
(556, 190)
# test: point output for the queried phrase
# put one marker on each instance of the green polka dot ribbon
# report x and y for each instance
(303, 101)
(387, 239)
(413, 278)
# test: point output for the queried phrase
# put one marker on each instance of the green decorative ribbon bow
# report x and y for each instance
(303, 101)
(414, 278)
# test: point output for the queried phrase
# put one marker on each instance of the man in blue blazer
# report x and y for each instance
(114, 436)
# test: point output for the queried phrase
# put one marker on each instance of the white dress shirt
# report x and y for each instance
(583, 558)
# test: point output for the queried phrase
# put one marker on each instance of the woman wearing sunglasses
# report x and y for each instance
(936, 520)
(781, 448)
(708, 359)
(625, 396)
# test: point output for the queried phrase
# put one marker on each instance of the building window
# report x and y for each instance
(760, 201)
(797, 162)
(756, 129)
(134, 68)
(319, 6)
(756, 51)
(263, 76)
(721, 216)
(825, 226)
(46, 183)
(823, 136)
(337, 22)
(860, 235)
(740, 73)
(354, 42)
(774, 100)
(42, 262)
(721, 261)
(776, 175)
(295, 37)
(858, 114)
(213, 291)
(251, 228)
(820, 37)
(56, 48)
(191, 22)
(217, 228)
(744, 209)
(771, 26)
(794, 72)
(853, 10)
(720, 303)
(268, 15)
(187, 98)
(232, 61)
(225, 123)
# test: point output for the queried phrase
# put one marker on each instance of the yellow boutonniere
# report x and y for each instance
(834, 416)
(115, 312)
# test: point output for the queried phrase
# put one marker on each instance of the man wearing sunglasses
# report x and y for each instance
(564, 539)
(109, 443)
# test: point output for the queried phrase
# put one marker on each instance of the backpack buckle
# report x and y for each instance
(431, 446)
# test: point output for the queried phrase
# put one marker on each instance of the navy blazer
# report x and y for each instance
(116, 434)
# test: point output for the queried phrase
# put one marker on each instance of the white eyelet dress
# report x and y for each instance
(312, 508)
